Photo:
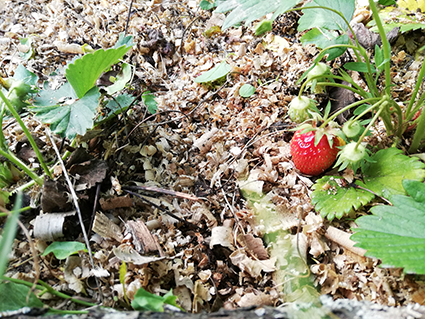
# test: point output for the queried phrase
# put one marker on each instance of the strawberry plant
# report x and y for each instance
(70, 109)
(371, 170)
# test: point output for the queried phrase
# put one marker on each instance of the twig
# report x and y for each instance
(193, 226)
(182, 38)
(162, 191)
(128, 18)
(77, 208)
(370, 191)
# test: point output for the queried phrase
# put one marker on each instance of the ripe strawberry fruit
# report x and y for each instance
(310, 159)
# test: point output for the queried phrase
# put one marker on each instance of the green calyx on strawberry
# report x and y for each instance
(19, 92)
(352, 156)
(301, 109)
(320, 69)
(352, 129)
(314, 150)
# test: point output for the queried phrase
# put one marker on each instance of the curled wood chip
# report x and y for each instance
(69, 48)
(130, 255)
(251, 299)
(49, 227)
(251, 266)
(343, 239)
(255, 246)
(205, 142)
(222, 235)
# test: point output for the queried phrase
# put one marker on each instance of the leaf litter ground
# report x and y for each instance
(203, 140)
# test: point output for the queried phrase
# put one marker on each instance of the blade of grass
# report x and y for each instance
(9, 233)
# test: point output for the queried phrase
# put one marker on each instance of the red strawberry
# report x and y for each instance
(310, 159)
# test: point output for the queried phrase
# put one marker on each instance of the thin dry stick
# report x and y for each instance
(128, 18)
(162, 191)
(77, 208)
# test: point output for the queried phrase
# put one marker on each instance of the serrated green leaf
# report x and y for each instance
(68, 120)
(121, 80)
(145, 301)
(83, 73)
(149, 100)
(333, 200)
(323, 18)
(215, 73)
(15, 296)
(21, 73)
(246, 90)
(359, 67)
(116, 106)
(325, 38)
(63, 249)
(404, 27)
(388, 168)
(250, 10)
(395, 233)
(49, 97)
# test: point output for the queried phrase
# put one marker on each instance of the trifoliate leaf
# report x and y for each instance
(324, 38)
(49, 97)
(16, 296)
(71, 118)
(395, 234)
(83, 72)
(386, 170)
(215, 73)
(246, 90)
(323, 18)
(332, 199)
(63, 249)
(251, 10)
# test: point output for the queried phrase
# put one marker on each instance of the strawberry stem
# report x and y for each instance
(372, 99)
(382, 105)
